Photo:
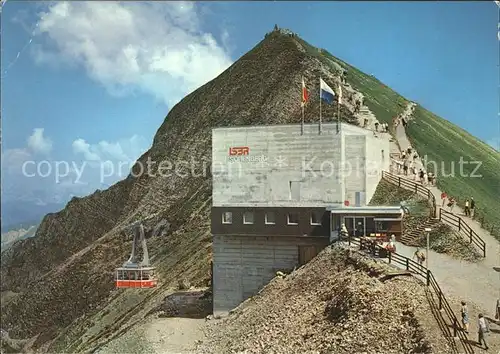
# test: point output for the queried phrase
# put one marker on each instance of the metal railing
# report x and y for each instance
(413, 186)
(418, 269)
(463, 228)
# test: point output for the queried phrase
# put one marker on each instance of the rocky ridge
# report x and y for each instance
(338, 303)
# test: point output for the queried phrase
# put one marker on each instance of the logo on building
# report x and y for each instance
(241, 154)
(238, 151)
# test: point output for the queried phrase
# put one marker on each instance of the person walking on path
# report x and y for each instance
(451, 203)
(497, 312)
(464, 312)
(482, 331)
(467, 208)
(472, 206)
(405, 167)
(420, 256)
(443, 198)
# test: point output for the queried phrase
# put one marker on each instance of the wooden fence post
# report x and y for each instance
(399, 181)
(470, 236)
(407, 264)
(390, 257)
(428, 277)
(440, 301)
(459, 223)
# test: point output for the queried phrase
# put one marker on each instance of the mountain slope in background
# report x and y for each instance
(78, 247)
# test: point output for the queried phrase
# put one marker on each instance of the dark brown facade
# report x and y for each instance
(288, 221)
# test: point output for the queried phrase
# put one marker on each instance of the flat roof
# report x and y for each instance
(366, 210)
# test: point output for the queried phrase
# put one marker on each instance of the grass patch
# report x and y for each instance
(384, 102)
(445, 143)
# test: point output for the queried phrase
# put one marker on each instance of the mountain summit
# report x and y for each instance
(60, 283)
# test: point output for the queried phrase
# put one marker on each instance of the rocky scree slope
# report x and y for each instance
(65, 273)
(337, 303)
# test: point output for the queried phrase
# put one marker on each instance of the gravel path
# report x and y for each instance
(476, 282)
(158, 336)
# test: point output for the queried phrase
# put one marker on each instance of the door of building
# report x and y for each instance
(356, 226)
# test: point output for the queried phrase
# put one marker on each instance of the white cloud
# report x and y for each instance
(46, 180)
(156, 47)
(124, 150)
(13, 159)
(39, 143)
(80, 146)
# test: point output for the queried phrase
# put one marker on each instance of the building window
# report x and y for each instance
(382, 226)
(316, 218)
(293, 219)
(270, 218)
(248, 217)
(227, 217)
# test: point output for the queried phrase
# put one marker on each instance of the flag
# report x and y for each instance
(340, 94)
(305, 95)
(325, 92)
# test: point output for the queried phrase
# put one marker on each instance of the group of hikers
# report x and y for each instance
(469, 207)
(483, 327)
(408, 166)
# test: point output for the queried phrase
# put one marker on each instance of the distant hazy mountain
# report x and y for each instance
(19, 213)
(11, 236)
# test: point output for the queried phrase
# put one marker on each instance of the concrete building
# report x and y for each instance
(275, 189)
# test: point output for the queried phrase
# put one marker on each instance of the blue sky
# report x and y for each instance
(97, 79)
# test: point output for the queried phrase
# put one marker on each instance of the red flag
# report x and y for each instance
(305, 95)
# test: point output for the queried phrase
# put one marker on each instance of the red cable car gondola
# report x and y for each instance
(133, 274)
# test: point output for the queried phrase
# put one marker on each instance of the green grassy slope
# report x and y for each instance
(384, 102)
(445, 143)
(381, 99)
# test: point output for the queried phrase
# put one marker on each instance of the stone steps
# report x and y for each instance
(414, 237)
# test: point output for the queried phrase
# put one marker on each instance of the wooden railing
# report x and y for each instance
(444, 216)
(463, 228)
(413, 186)
(417, 269)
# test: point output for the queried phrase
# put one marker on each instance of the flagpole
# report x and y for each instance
(320, 104)
(302, 130)
(338, 112)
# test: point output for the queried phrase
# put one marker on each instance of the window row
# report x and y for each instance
(270, 218)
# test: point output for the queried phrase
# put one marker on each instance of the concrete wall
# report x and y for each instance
(286, 168)
(354, 170)
(377, 160)
(243, 265)
(284, 161)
